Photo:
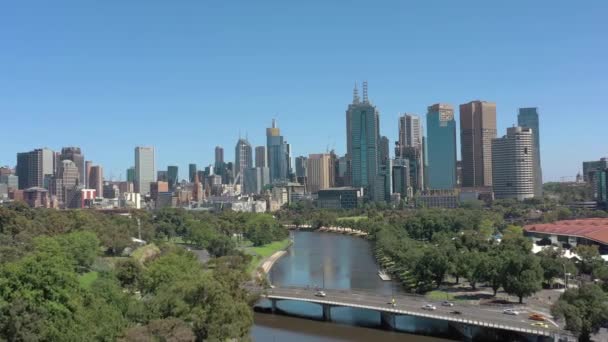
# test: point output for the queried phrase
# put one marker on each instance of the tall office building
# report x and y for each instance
(172, 176)
(96, 179)
(34, 166)
(87, 171)
(278, 154)
(441, 147)
(319, 170)
(219, 156)
(63, 184)
(528, 117)
(384, 154)
(362, 142)
(477, 129)
(301, 166)
(144, 169)
(243, 158)
(192, 172)
(75, 154)
(260, 156)
(255, 180)
(410, 132)
(513, 164)
(401, 178)
(131, 174)
(410, 147)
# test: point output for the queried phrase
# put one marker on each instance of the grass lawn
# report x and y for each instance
(262, 252)
(439, 295)
(87, 279)
(352, 218)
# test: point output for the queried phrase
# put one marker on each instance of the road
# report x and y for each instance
(486, 316)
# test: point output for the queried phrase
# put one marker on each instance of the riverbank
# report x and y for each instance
(262, 254)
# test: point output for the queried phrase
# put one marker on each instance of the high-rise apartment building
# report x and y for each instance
(145, 169)
(96, 179)
(172, 176)
(362, 142)
(513, 164)
(34, 166)
(219, 156)
(192, 172)
(75, 154)
(528, 117)
(477, 129)
(243, 158)
(278, 154)
(260, 156)
(319, 172)
(441, 147)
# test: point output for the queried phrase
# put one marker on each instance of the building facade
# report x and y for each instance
(441, 147)
(513, 164)
(278, 154)
(145, 169)
(528, 117)
(256, 178)
(172, 176)
(219, 156)
(192, 172)
(363, 143)
(319, 170)
(96, 179)
(477, 129)
(243, 158)
(75, 154)
(260, 156)
(34, 166)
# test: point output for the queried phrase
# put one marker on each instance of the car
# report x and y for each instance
(540, 325)
(512, 312)
(456, 312)
(537, 317)
(430, 307)
(320, 294)
(446, 303)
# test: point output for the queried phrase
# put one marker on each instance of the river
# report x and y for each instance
(334, 261)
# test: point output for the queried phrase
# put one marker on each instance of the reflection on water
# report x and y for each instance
(337, 262)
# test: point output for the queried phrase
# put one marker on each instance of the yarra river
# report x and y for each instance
(334, 261)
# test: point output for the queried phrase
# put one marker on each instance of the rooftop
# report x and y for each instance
(593, 228)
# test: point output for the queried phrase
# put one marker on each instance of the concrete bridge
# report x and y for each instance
(340, 230)
(411, 305)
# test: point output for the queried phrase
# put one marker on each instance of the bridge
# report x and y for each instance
(488, 317)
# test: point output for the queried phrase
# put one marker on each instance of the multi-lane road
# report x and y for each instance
(478, 315)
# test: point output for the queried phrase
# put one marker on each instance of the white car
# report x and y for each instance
(446, 303)
(512, 312)
(320, 294)
(430, 307)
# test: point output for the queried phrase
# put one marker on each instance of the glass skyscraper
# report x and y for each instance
(278, 154)
(528, 117)
(441, 144)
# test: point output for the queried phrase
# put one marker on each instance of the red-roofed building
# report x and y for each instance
(569, 233)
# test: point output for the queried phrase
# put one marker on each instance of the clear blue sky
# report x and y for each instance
(185, 76)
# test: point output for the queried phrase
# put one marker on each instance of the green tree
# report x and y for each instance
(585, 309)
(82, 247)
(129, 273)
(522, 274)
(169, 329)
(221, 245)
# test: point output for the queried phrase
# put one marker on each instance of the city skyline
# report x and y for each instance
(214, 84)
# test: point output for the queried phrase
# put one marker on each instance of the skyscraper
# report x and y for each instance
(172, 176)
(477, 129)
(34, 166)
(410, 133)
(255, 180)
(528, 117)
(75, 154)
(219, 156)
(192, 172)
(301, 166)
(362, 141)
(243, 158)
(96, 179)
(513, 164)
(144, 169)
(319, 172)
(278, 154)
(131, 174)
(441, 142)
(260, 156)
(384, 155)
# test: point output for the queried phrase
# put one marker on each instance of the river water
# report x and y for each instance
(334, 261)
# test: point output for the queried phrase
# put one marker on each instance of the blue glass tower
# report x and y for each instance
(441, 144)
(528, 117)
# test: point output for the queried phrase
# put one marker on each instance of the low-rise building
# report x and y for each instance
(339, 198)
(570, 233)
(438, 199)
